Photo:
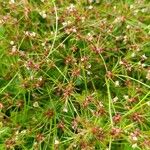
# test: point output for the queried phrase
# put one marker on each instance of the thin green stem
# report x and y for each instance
(56, 29)
(119, 75)
(8, 83)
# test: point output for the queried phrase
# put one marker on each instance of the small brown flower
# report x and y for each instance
(109, 74)
(74, 48)
(134, 135)
(68, 90)
(87, 101)
(146, 144)
(10, 143)
(31, 65)
(117, 118)
(61, 125)
(116, 132)
(84, 60)
(75, 72)
(49, 113)
(75, 124)
(36, 66)
(98, 50)
(98, 133)
(83, 145)
(128, 83)
(69, 60)
(20, 103)
(126, 64)
(133, 99)
(137, 117)
(39, 83)
(25, 84)
(100, 112)
(39, 137)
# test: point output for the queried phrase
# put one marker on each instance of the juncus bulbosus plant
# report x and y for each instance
(74, 74)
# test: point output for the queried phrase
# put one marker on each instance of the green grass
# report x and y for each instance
(74, 75)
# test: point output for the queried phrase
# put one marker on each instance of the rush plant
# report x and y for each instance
(74, 74)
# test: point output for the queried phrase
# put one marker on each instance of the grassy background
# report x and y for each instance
(74, 75)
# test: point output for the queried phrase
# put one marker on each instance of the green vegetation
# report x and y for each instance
(74, 74)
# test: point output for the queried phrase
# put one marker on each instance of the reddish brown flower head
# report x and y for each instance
(116, 132)
(135, 135)
(75, 72)
(117, 118)
(98, 133)
(128, 83)
(98, 50)
(87, 101)
(10, 143)
(68, 90)
(146, 144)
(109, 75)
(49, 113)
(137, 117)
(100, 112)
(25, 84)
(69, 60)
(133, 99)
(84, 59)
(83, 145)
(61, 125)
(75, 124)
(39, 137)
(20, 103)
(74, 48)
